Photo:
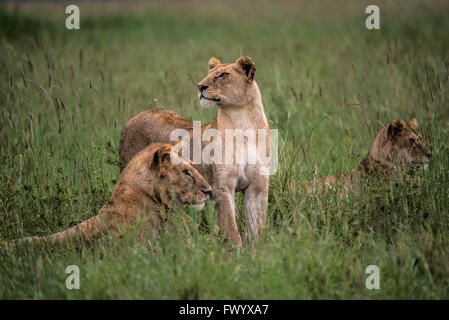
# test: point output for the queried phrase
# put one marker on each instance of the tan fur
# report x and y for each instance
(396, 146)
(232, 88)
(144, 189)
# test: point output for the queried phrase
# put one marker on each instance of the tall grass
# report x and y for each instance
(327, 84)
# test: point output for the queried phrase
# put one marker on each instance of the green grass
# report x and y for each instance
(327, 84)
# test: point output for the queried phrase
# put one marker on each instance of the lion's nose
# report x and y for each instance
(202, 87)
(207, 192)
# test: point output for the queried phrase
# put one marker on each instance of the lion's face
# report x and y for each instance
(178, 177)
(227, 83)
(400, 144)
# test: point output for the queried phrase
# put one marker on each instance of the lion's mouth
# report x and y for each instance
(199, 205)
(416, 165)
(211, 99)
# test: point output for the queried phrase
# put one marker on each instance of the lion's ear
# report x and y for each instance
(213, 62)
(247, 65)
(413, 123)
(161, 157)
(395, 127)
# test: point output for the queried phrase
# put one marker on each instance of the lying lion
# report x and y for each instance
(144, 188)
(395, 147)
(230, 86)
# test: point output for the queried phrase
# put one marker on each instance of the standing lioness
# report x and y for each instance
(230, 86)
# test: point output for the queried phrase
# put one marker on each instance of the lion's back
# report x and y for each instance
(147, 127)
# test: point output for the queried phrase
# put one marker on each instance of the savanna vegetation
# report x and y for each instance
(328, 85)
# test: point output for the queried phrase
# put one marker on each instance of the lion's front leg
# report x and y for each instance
(225, 212)
(255, 203)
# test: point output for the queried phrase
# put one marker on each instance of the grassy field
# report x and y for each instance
(328, 84)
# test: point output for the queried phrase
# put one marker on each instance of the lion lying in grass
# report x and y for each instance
(395, 147)
(144, 189)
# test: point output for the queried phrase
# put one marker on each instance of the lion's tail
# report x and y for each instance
(85, 230)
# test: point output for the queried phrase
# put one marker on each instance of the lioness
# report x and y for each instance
(396, 146)
(144, 187)
(230, 86)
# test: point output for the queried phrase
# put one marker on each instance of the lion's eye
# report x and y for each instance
(187, 173)
(223, 75)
